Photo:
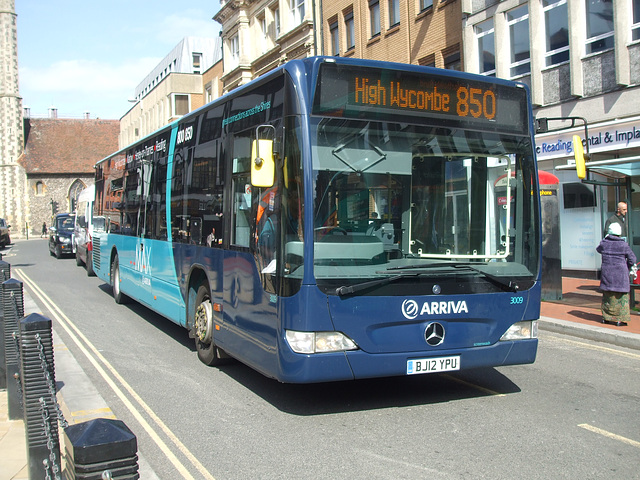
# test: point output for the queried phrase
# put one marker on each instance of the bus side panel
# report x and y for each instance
(186, 259)
(250, 319)
(134, 281)
(126, 248)
(166, 297)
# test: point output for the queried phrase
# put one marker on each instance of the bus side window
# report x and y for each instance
(241, 219)
(131, 201)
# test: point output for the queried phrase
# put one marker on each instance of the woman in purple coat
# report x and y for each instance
(617, 259)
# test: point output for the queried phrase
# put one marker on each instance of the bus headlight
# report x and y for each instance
(319, 342)
(521, 331)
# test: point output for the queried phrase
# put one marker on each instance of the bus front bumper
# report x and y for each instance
(357, 364)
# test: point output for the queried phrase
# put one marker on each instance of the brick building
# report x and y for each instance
(423, 32)
(58, 160)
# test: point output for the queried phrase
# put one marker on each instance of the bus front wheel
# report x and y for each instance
(118, 296)
(208, 352)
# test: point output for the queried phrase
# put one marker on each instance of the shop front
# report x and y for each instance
(613, 175)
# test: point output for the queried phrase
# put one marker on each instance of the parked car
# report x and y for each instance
(5, 239)
(60, 234)
(84, 228)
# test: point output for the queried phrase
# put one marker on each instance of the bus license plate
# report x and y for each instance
(433, 365)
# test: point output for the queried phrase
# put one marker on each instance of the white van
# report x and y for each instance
(83, 230)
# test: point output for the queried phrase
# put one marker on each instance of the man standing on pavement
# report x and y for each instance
(620, 218)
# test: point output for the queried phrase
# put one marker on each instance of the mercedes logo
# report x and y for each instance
(434, 334)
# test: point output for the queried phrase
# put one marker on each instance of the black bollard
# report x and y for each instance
(12, 300)
(100, 448)
(5, 274)
(5, 271)
(39, 397)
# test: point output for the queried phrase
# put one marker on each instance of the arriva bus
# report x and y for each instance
(336, 219)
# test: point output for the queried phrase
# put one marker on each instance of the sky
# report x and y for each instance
(84, 56)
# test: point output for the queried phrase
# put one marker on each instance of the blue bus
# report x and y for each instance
(336, 219)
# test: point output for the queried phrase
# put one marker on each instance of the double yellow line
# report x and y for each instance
(113, 378)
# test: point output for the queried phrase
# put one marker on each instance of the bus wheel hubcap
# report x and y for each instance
(203, 322)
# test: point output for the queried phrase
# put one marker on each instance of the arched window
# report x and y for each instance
(39, 188)
(76, 187)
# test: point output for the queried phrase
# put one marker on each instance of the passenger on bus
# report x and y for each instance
(211, 239)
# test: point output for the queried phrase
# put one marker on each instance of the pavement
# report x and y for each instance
(577, 314)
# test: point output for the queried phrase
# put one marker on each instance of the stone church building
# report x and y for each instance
(58, 161)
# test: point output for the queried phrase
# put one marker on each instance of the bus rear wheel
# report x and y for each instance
(208, 352)
(118, 296)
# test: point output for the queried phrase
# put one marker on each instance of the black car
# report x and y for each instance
(5, 239)
(60, 234)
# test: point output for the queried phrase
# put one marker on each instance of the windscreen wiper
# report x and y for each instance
(350, 289)
(505, 284)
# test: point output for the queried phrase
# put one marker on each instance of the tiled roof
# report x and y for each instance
(67, 146)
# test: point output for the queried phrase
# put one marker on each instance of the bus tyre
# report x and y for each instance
(118, 296)
(208, 353)
(89, 265)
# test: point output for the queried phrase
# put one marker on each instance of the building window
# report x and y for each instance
(452, 61)
(394, 12)
(486, 47)
(74, 191)
(599, 25)
(39, 188)
(197, 62)
(276, 20)
(334, 38)
(264, 34)
(425, 4)
(556, 22)
(297, 11)
(374, 15)
(180, 104)
(350, 30)
(208, 93)
(518, 21)
(234, 47)
(635, 28)
(428, 61)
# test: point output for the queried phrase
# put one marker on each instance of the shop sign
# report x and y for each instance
(602, 138)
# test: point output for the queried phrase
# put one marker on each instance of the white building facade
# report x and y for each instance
(173, 88)
(581, 58)
(260, 35)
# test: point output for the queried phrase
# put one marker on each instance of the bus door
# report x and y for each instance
(248, 304)
(154, 255)
(142, 265)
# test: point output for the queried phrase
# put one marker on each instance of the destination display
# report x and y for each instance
(360, 92)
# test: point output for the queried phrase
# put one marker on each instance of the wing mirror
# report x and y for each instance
(263, 153)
